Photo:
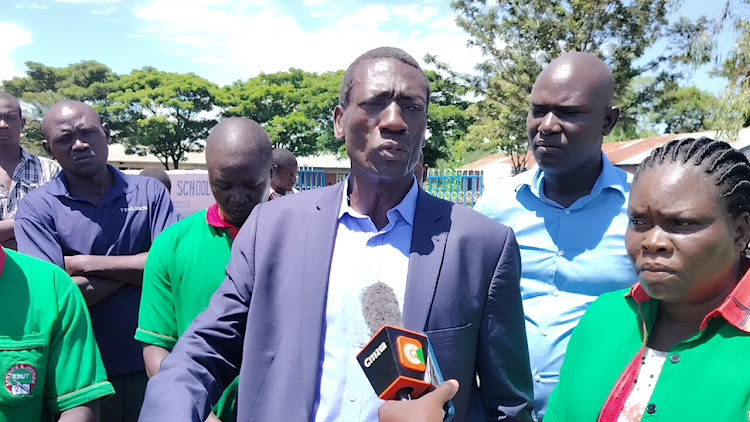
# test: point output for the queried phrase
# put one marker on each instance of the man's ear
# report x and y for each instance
(338, 125)
(610, 120)
(23, 123)
(273, 170)
(45, 145)
(105, 128)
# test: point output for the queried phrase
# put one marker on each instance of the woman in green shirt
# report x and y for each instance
(674, 347)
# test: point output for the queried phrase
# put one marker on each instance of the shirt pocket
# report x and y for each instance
(23, 367)
(449, 335)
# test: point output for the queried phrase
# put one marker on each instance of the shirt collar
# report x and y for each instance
(735, 309)
(609, 178)
(20, 173)
(215, 220)
(25, 156)
(59, 185)
(406, 208)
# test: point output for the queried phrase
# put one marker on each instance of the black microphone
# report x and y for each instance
(399, 363)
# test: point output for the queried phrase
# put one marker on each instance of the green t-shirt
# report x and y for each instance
(186, 265)
(704, 378)
(49, 360)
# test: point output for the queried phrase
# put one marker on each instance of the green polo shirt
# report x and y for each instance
(705, 378)
(186, 265)
(49, 360)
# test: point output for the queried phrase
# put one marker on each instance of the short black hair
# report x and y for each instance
(12, 98)
(379, 53)
(729, 167)
(283, 158)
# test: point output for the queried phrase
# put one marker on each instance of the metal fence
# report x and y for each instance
(459, 187)
(310, 179)
(462, 187)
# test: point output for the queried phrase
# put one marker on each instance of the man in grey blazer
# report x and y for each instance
(288, 316)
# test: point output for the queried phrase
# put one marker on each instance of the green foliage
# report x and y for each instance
(161, 113)
(660, 102)
(733, 112)
(686, 110)
(518, 37)
(296, 107)
(448, 121)
(44, 86)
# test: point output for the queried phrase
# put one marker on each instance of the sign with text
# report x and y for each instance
(191, 191)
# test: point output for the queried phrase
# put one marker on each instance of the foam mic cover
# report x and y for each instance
(380, 307)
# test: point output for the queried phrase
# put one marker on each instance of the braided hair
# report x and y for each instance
(729, 167)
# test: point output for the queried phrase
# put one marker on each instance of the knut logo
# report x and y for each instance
(411, 354)
(20, 380)
(375, 354)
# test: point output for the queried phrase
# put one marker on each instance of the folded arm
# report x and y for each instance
(96, 289)
(126, 268)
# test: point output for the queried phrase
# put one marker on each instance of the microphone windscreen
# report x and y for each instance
(380, 307)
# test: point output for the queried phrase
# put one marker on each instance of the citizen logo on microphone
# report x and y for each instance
(411, 354)
(376, 354)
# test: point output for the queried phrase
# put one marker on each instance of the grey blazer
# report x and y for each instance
(265, 322)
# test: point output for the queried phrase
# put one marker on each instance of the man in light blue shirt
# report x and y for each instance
(569, 214)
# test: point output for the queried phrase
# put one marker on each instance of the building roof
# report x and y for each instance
(497, 159)
(626, 153)
(197, 160)
(118, 158)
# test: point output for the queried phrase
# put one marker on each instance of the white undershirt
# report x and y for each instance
(653, 362)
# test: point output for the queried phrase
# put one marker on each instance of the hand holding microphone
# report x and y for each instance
(428, 408)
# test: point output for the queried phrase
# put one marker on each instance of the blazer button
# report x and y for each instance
(651, 409)
(675, 358)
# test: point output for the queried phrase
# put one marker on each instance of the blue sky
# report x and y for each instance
(226, 40)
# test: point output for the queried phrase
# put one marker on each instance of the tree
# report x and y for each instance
(733, 112)
(161, 113)
(518, 37)
(686, 110)
(296, 107)
(44, 86)
(448, 121)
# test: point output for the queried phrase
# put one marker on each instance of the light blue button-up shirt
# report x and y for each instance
(362, 255)
(569, 256)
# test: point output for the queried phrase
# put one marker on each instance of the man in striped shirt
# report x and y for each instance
(20, 172)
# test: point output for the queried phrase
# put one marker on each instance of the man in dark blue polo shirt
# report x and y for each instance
(98, 224)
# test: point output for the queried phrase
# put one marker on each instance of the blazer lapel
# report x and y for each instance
(431, 226)
(320, 234)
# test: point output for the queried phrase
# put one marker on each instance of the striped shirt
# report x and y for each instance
(31, 172)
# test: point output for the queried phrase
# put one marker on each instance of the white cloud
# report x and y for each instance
(415, 13)
(313, 3)
(268, 39)
(107, 11)
(15, 37)
(32, 6)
